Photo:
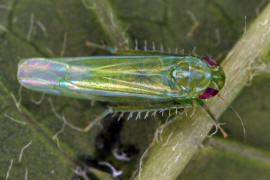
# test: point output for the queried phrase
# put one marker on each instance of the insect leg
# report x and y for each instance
(97, 120)
(135, 52)
(178, 108)
(102, 47)
(159, 130)
(152, 107)
(217, 124)
(145, 53)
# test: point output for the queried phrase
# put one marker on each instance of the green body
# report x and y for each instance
(119, 79)
(140, 82)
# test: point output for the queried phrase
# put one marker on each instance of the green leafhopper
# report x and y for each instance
(139, 81)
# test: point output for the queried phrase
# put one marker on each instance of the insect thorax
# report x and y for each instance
(192, 76)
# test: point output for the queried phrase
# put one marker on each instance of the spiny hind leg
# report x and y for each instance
(135, 52)
(170, 109)
(154, 109)
(121, 110)
(178, 108)
(139, 109)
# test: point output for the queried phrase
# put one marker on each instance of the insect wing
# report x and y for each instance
(109, 78)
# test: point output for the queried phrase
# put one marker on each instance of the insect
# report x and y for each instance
(132, 81)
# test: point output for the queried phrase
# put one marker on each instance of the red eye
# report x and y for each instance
(210, 61)
(209, 92)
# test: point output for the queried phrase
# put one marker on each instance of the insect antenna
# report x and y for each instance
(236, 113)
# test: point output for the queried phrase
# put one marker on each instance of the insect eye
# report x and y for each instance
(210, 61)
(209, 92)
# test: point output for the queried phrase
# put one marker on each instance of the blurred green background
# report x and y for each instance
(38, 28)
